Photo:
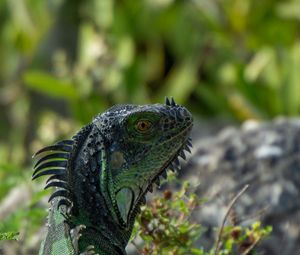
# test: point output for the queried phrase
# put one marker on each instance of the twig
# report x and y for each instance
(246, 252)
(233, 201)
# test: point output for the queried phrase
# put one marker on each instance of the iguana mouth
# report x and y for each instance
(174, 163)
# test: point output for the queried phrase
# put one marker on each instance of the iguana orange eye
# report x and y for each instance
(143, 126)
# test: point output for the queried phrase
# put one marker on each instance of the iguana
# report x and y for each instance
(103, 173)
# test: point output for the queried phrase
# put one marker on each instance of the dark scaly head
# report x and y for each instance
(105, 171)
(142, 142)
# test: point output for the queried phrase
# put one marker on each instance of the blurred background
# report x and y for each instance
(64, 61)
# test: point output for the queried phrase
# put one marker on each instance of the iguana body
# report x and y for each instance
(104, 172)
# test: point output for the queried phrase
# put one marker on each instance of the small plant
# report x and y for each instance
(166, 228)
(164, 224)
(9, 236)
(243, 240)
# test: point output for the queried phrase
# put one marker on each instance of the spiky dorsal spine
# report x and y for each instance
(56, 161)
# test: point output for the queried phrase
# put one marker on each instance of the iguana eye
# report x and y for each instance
(143, 126)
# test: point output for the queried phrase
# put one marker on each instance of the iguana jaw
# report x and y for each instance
(128, 199)
(130, 194)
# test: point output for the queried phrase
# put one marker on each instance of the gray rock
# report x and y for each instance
(267, 157)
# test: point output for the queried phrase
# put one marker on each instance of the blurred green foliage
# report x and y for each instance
(64, 61)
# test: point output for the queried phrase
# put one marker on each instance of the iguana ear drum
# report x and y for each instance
(117, 159)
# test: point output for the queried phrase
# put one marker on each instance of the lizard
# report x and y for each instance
(102, 174)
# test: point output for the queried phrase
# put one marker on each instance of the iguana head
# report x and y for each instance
(104, 172)
(142, 142)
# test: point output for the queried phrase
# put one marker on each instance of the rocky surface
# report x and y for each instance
(267, 157)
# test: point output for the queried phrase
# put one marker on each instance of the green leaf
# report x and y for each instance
(197, 251)
(9, 236)
(50, 85)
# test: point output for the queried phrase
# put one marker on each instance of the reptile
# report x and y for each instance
(102, 174)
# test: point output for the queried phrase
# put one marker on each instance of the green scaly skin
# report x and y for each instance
(103, 173)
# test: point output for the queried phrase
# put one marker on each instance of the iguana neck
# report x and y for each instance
(91, 197)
